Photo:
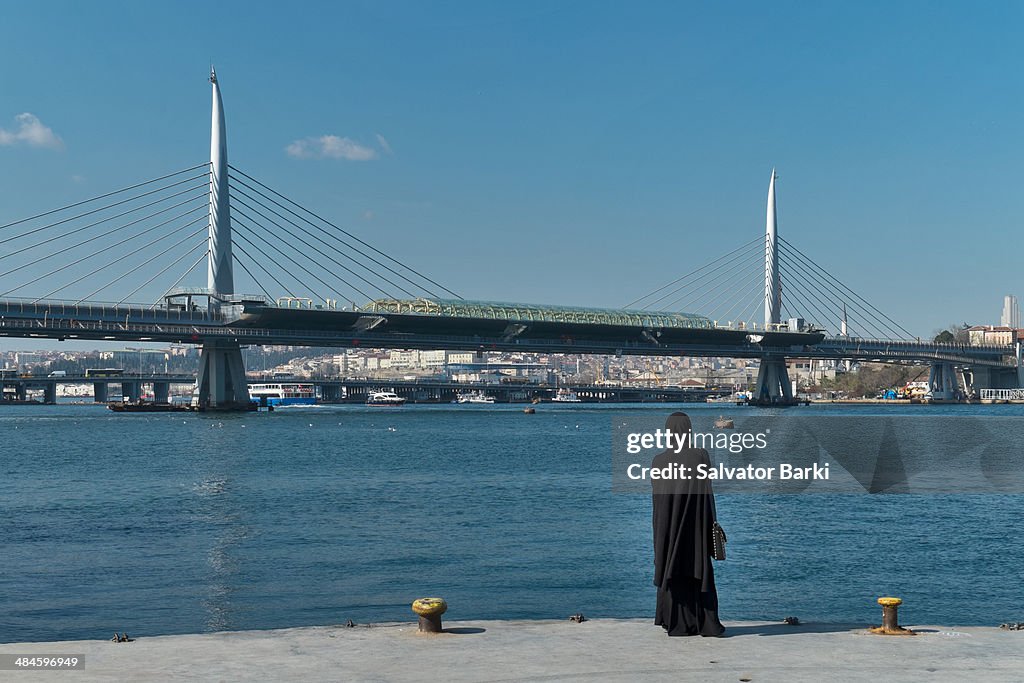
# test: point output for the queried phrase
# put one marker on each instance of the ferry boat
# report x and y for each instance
(385, 398)
(564, 395)
(283, 394)
(474, 397)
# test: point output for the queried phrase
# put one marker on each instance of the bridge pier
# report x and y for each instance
(50, 393)
(943, 384)
(161, 392)
(131, 391)
(100, 393)
(330, 393)
(221, 381)
(773, 387)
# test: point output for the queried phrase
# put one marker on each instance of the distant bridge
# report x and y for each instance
(319, 271)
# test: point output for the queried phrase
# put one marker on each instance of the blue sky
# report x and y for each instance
(577, 153)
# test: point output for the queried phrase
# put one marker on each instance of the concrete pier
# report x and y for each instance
(600, 649)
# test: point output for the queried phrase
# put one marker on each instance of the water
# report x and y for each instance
(172, 523)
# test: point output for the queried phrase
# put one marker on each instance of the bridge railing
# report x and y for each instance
(1002, 394)
(52, 307)
(920, 344)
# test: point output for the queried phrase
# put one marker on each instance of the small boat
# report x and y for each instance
(384, 399)
(146, 407)
(564, 395)
(724, 423)
(475, 397)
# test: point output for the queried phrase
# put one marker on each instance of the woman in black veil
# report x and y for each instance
(684, 511)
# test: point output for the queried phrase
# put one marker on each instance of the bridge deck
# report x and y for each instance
(265, 325)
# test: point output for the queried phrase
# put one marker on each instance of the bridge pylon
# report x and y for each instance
(773, 387)
(221, 382)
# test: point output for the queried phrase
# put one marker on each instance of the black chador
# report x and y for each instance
(684, 510)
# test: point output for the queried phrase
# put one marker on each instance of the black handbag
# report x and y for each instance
(718, 541)
(718, 538)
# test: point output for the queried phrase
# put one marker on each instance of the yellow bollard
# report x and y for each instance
(890, 623)
(430, 611)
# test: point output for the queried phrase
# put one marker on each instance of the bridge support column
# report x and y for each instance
(161, 392)
(131, 391)
(21, 392)
(1019, 353)
(221, 380)
(99, 392)
(943, 384)
(330, 393)
(50, 393)
(773, 387)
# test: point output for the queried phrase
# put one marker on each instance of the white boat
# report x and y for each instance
(474, 397)
(283, 394)
(384, 398)
(564, 395)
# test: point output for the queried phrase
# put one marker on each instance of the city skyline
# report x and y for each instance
(520, 204)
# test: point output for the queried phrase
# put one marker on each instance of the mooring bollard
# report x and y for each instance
(890, 623)
(430, 611)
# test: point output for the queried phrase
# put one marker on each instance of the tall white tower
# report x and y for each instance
(220, 279)
(1011, 312)
(221, 382)
(772, 289)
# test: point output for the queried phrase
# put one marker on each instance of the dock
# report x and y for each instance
(598, 650)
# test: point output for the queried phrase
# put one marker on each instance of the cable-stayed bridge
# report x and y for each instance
(80, 271)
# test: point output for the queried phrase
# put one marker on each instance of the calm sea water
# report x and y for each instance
(158, 524)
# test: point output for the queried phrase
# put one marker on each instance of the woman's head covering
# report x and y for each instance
(679, 423)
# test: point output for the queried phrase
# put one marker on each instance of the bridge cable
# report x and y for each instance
(253, 277)
(750, 259)
(51, 254)
(122, 258)
(301, 284)
(757, 303)
(699, 288)
(804, 299)
(811, 292)
(285, 254)
(742, 252)
(110, 206)
(342, 230)
(870, 328)
(102, 250)
(327, 256)
(847, 288)
(180, 278)
(141, 265)
(164, 270)
(256, 262)
(688, 275)
(329, 245)
(239, 212)
(724, 289)
(238, 184)
(103, 196)
(882, 330)
(757, 283)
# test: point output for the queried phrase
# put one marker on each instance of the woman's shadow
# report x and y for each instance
(788, 629)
